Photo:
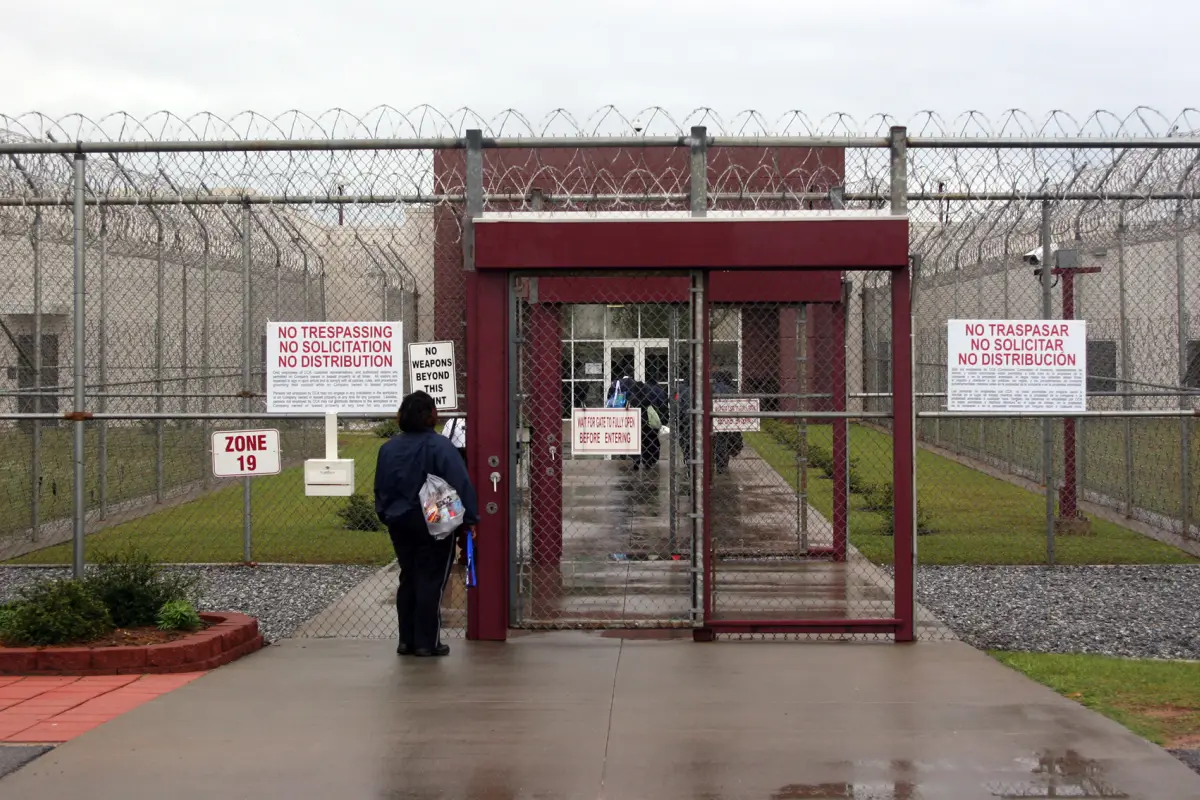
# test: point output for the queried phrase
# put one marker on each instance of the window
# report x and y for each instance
(589, 322)
(724, 363)
(1101, 365)
(883, 366)
(27, 403)
(656, 321)
(622, 322)
(1192, 379)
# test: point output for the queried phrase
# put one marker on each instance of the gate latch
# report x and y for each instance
(495, 479)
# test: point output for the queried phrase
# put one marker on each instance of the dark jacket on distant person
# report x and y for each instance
(405, 461)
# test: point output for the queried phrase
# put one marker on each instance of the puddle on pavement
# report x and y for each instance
(1048, 774)
(1059, 774)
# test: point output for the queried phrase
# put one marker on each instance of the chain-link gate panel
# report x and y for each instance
(782, 484)
(604, 534)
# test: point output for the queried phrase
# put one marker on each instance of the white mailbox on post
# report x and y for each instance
(330, 476)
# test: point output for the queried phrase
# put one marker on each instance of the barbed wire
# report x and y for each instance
(423, 121)
(965, 201)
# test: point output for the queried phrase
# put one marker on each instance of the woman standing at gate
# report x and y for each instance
(404, 462)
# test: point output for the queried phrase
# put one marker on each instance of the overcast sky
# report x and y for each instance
(61, 56)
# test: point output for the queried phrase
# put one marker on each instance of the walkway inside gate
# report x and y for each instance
(622, 567)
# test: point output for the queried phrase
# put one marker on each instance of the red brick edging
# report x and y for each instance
(228, 637)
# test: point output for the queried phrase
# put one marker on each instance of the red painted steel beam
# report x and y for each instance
(903, 454)
(810, 243)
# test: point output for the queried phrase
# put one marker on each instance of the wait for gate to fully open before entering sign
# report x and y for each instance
(240, 454)
(606, 432)
(1017, 365)
(431, 370)
(749, 405)
(349, 367)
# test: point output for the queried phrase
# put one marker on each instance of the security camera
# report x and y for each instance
(1034, 256)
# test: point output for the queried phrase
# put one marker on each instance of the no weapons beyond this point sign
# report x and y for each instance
(431, 370)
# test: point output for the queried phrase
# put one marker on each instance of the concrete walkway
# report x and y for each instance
(577, 715)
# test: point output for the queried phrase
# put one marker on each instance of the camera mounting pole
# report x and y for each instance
(1066, 267)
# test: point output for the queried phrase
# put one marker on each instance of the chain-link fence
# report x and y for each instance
(140, 261)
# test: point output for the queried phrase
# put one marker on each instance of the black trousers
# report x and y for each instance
(424, 571)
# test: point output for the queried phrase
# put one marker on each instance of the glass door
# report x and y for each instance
(640, 359)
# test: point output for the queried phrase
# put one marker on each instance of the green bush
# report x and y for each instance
(179, 615)
(134, 588)
(55, 612)
(788, 436)
(854, 480)
(7, 612)
(880, 497)
(924, 520)
(387, 429)
(358, 513)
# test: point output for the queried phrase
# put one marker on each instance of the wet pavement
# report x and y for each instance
(626, 553)
(580, 715)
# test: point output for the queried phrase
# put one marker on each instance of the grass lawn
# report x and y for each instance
(1159, 700)
(976, 519)
(287, 526)
(1155, 447)
(132, 454)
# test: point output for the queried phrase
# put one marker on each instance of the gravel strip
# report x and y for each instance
(1189, 757)
(281, 598)
(1130, 611)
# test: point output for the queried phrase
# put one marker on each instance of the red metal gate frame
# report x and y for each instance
(845, 241)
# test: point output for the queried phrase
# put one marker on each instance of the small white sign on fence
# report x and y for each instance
(240, 454)
(736, 424)
(606, 431)
(431, 370)
(1003, 365)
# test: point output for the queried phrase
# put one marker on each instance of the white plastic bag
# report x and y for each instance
(443, 508)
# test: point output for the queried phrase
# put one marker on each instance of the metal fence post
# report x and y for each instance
(247, 389)
(474, 187)
(184, 373)
(1185, 443)
(102, 367)
(1048, 423)
(1126, 367)
(698, 204)
(205, 310)
(1011, 427)
(160, 450)
(35, 467)
(904, 290)
(77, 368)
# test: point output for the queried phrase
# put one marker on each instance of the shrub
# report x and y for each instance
(387, 429)
(134, 588)
(7, 612)
(924, 520)
(358, 513)
(56, 612)
(179, 615)
(880, 497)
(788, 436)
(854, 478)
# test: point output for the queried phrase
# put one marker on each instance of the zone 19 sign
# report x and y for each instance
(240, 454)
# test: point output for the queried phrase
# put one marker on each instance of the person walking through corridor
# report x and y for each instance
(404, 463)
